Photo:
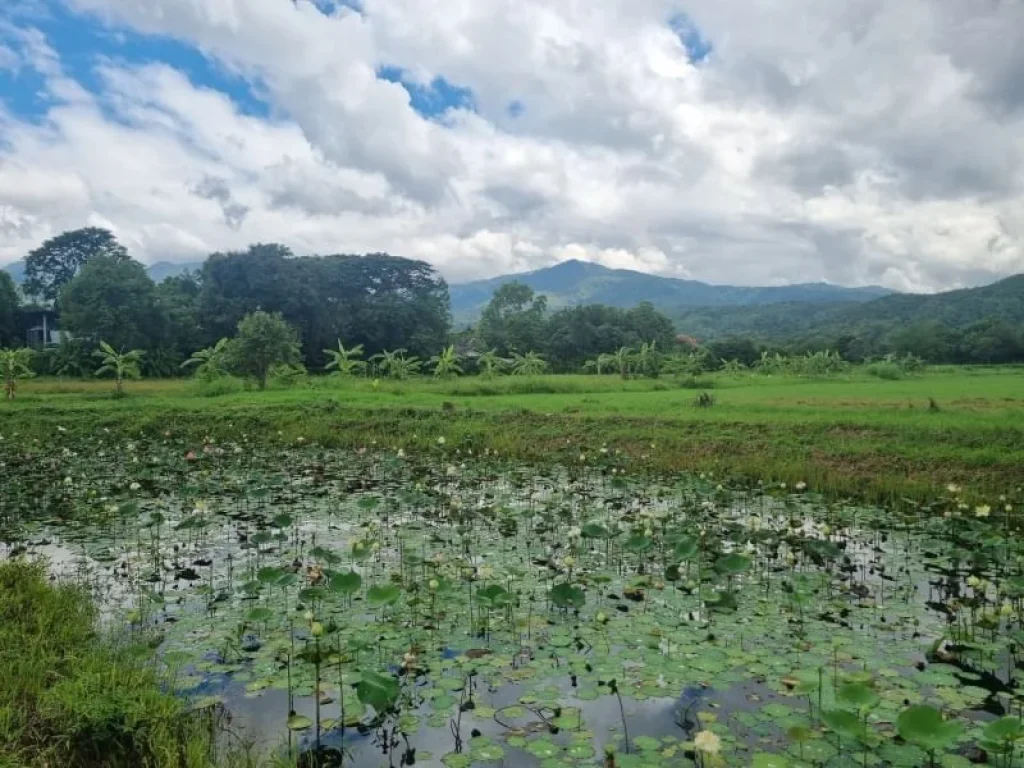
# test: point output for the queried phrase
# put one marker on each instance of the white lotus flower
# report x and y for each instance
(707, 742)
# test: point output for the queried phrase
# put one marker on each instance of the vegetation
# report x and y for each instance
(55, 263)
(14, 366)
(264, 340)
(68, 697)
(120, 365)
(584, 608)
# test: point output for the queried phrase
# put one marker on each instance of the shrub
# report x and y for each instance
(886, 371)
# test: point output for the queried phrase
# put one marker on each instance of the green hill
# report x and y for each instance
(577, 282)
(1001, 302)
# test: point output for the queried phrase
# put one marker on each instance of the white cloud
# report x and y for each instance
(881, 141)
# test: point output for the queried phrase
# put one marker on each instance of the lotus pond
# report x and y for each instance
(377, 608)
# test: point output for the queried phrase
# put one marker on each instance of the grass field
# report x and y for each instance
(854, 435)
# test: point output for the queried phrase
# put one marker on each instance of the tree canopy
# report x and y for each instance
(9, 301)
(113, 299)
(55, 263)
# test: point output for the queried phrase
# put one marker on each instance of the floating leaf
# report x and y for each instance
(924, 726)
(346, 583)
(567, 596)
(299, 722)
(383, 594)
(377, 690)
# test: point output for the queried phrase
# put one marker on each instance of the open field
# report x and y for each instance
(854, 435)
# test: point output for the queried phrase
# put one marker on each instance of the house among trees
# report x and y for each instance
(41, 326)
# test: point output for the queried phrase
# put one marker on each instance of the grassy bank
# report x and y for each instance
(856, 435)
(68, 697)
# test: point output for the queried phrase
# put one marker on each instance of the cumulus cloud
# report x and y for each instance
(873, 142)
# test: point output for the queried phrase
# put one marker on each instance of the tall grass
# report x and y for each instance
(69, 698)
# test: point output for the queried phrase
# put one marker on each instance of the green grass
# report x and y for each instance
(68, 697)
(857, 435)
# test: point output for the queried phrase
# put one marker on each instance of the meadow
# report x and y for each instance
(550, 572)
(854, 434)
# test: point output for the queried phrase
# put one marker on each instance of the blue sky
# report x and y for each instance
(83, 43)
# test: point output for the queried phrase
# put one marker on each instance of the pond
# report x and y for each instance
(447, 608)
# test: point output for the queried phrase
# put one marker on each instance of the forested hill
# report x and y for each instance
(1001, 302)
(576, 282)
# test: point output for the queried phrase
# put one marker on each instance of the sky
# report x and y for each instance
(754, 142)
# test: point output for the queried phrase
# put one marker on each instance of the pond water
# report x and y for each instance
(444, 608)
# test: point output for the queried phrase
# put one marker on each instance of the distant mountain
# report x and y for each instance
(578, 282)
(1002, 301)
(163, 269)
(17, 271)
(157, 272)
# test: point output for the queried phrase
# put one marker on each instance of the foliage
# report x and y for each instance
(376, 301)
(112, 298)
(513, 320)
(212, 362)
(491, 364)
(345, 362)
(14, 366)
(397, 364)
(446, 364)
(263, 340)
(530, 364)
(121, 365)
(68, 698)
(577, 334)
(54, 264)
(9, 301)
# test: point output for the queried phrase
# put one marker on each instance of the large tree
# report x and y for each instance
(55, 263)
(8, 310)
(513, 321)
(113, 299)
(378, 301)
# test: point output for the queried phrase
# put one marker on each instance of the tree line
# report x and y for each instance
(249, 312)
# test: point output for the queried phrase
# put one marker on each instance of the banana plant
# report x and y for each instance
(446, 365)
(345, 362)
(530, 364)
(14, 366)
(121, 365)
(210, 362)
(491, 364)
(395, 365)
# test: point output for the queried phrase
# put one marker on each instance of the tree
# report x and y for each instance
(264, 340)
(446, 365)
(345, 362)
(121, 365)
(14, 366)
(113, 298)
(513, 320)
(55, 263)
(530, 364)
(377, 301)
(212, 362)
(8, 309)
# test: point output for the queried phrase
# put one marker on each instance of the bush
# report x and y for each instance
(886, 371)
(219, 385)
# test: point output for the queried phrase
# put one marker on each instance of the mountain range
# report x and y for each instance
(578, 282)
